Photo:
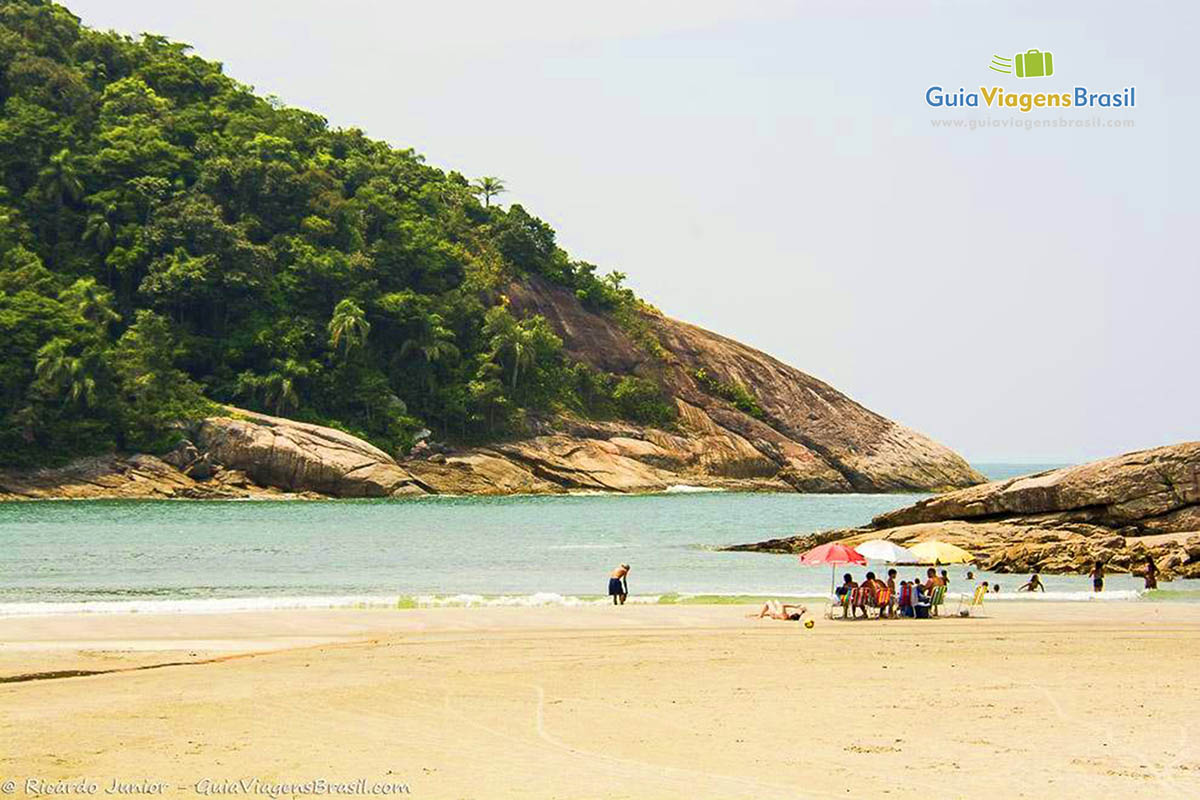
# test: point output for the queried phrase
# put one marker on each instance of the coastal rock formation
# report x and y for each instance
(745, 421)
(1119, 510)
(803, 433)
(135, 477)
(598, 456)
(297, 456)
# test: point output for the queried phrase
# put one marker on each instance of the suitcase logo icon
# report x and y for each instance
(1030, 64)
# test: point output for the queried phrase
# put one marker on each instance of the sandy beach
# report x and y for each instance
(1036, 700)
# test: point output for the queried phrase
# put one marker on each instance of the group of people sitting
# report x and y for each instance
(891, 599)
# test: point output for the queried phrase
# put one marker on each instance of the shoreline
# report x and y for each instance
(188, 606)
(646, 701)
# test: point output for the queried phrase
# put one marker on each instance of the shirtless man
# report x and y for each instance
(777, 610)
(932, 581)
(618, 584)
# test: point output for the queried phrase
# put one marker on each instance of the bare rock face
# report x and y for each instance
(297, 456)
(803, 435)
(1125, 490)
(1119, 511)
(809, 435)
(137, 476)
(581, 456)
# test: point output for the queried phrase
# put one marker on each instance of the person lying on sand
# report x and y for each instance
(777, 610)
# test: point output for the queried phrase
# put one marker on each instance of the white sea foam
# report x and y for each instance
(684, 488)
(220, 605)
(523, 600)
(226, 605)
(592, 546)
(1082, 596)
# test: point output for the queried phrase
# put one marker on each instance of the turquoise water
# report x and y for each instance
(999, 472)
(148, 555)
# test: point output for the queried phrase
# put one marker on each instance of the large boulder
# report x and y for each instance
(1118, 510)
(297, 456)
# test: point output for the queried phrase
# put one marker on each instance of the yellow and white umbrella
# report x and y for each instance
(934, 552)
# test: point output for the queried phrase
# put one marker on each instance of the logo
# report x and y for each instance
(1030, 64)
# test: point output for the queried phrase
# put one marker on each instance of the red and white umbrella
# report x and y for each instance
(832, 553)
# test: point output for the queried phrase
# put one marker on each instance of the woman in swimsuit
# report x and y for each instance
(1098, 577)
(777, 610)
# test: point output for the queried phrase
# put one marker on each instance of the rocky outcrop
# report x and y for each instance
(297, 456)
(598, 456)
(800, 435)
(236, 455)
(1119, 511)
(808, 435)
(132, 477)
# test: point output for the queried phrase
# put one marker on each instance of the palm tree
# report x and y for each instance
(90, 300)
(435, 343)
(517, 343)
(279, 388)
(59, 183)
(59, 179)
(348, 326)
(489, 186)
(61, 371)
(100, 229)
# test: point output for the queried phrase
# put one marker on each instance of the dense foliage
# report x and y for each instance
(734, 392)
(169, 239)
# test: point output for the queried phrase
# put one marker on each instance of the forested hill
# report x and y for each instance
(171, 243)
(169, 239)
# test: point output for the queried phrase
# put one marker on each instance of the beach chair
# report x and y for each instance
(936, 600)
(906, 600)
(882, 599)
(975, 604)
(845, 603)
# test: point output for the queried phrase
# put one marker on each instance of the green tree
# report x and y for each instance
(61, 372)
(435, 342)
(59, 180)
(100, 230)
(91, 301)
(156, 396)
(489, 186)
(348, 327)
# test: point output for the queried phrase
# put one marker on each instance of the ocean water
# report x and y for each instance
(120, 556)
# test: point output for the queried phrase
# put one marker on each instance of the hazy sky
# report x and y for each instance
(769, 170)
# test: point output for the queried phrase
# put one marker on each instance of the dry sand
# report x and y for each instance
(1092, 700)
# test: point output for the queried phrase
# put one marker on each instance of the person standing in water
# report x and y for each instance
(1034, 584)
(1151, 573)
(618, 584)
(1098, 577)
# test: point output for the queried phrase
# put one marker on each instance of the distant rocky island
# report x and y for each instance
(1118, 511)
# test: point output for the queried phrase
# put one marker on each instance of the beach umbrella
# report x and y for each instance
(883, 550)
(934, 552)
(833, 553)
